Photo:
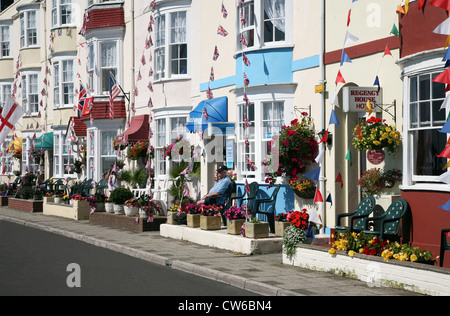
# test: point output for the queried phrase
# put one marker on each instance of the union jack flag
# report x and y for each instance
(224, 11)
(243, 21)
(216, 54)
(143, 61)
(246, 80)
(82, 97)
(243, 40)
(205, 114)
(246, 122)
(150, 86)
(185, 171)
(150, 102)
(149, 42)
(245, 60)
(247, 187)
(222, 31)
(211, 76)
(150, 72)
(139, 76)
(186, 192)
(209, 94)
(246, 100)
(241, 3)
(251, 164)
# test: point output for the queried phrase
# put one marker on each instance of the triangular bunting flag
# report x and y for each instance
(349, 157)
(445, 177)
(329, 200)
(446, 128)
(443, 28)
(400, 9)
(377, 83)
(387, 51)
(443, 77)
(324, 138)
(339, 180)
(369, 107)
(446, 206)
(334, 119)
(349, 38)
(345, 58)
(443, 4)
(313, 175)
(340, 78)
(445, 153)
(318, 197)
(395, 30)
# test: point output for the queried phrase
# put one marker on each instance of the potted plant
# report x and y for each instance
(77, 166)
(147, 208)
(281, 223)
(193, 213)
(235, 219)
(371, 181)
(292, 236)
(135, 177)
(75, 198)
(391, 177)
(130, 207)
(375, 134)
(65, 199)
(210, 218)
(58, 197)
(109, 205)
(138, 150)
(96, 202)
(255, 228)
(293, 150)
(119, 196)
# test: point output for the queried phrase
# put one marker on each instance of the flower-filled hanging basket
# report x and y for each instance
(305, 189)
(375, 134)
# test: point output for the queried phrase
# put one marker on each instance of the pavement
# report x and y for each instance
(263, 274)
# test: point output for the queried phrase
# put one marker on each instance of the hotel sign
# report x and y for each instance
(355, 98)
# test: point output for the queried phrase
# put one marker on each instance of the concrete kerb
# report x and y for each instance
(236, 281)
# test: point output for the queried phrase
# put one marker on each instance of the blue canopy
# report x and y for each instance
(217, 110)
(45, 142)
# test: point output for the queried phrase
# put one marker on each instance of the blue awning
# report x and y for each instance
(217, 110)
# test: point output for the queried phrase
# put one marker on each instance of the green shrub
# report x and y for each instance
(121, 195)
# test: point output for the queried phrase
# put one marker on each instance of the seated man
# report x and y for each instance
(223, 181)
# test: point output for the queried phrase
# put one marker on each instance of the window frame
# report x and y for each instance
(258, 96)
(59, 84)
(57, 14)
(8, 41)
(162, 63)
(26, 95)
(25, 28)
(259, 25)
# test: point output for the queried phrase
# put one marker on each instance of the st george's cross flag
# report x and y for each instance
(11, 113)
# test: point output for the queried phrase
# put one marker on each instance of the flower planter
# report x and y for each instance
(130, 210)
(4, 201)
(100, 207)
(210, 222)
(171, 218)
(280, 227)
(193, 220)
(31, 206)
(257, 230)
(109, 207)
(234, 226)
(142, 214)
(119, 209)
(57, 200)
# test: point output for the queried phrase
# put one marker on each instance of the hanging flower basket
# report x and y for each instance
(374, 134)
(305, 189)
(293, 150)
(139, 150)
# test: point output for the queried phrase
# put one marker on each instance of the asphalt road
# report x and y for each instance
(38, 263)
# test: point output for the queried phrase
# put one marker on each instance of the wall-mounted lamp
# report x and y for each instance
(329, 138)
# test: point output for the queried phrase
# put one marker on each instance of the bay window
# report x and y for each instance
(108, 154)
(171, 53)
(105, 54)
(62, 13)
(5, 41)
(29, 28)
(264, 23)
(30, 92)
(64, 78)
(63, 155)
(257, 124)
(5, 92)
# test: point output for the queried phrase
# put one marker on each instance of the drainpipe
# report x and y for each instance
(132, 75)
(322, 108)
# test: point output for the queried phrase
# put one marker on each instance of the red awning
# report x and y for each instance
(138, 131)
(78, 126)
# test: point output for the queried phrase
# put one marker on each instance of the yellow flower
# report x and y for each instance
(413, 258)
(332, 251)
(361, 250)
(351, 253)
(376, 143)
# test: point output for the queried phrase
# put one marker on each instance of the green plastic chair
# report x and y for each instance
(358, 220)
(269, 212)
(390, 220)
(445, 245)
(248, 198)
